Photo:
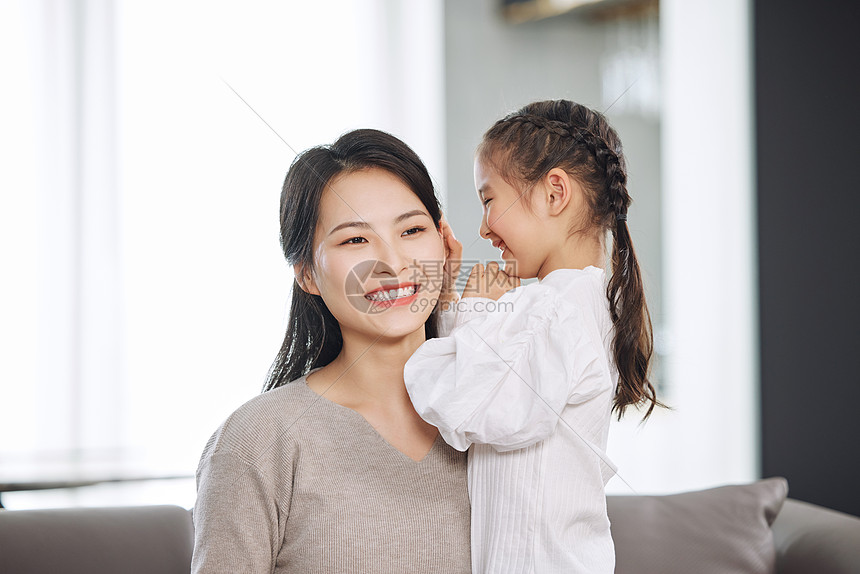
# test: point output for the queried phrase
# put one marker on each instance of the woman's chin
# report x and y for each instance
(400, 321)
(397, 329)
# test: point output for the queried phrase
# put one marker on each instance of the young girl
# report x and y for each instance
(529, 377)
(331, 469)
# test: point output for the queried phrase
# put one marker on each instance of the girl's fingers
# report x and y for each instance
(477, 272)
(446, 229)
(506, 281)
(444, 225)
(492, 273)
(473, 284)
(490, 281)
(454, 247)
(453, 257)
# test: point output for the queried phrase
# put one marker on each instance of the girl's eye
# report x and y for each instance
(354, 241)
(414, 230)
(488, 200)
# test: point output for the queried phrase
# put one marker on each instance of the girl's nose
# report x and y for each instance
(484, 229)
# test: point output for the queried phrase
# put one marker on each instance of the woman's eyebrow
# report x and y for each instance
(366, 225)
(359, 224)
(409, 214)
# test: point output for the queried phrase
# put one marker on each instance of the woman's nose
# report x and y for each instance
(392, 260)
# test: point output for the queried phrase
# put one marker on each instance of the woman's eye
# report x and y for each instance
(414, 230)
(354, 241)
(488, 200)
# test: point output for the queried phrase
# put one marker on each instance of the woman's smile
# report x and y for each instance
(393, 295)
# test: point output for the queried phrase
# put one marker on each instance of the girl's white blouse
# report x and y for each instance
(528, 383)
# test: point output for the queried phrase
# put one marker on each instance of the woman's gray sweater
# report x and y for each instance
(292, 482)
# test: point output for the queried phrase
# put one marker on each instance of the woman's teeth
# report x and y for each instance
(392, 294)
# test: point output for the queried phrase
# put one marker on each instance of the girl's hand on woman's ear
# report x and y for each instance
(491, 282)
(453, 259)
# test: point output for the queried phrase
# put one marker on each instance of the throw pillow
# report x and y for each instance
(716, 531)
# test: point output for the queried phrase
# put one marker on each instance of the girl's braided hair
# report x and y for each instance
(523, 147)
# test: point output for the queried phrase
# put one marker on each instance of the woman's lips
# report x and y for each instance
(393, 295)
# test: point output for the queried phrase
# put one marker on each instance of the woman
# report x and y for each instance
(331, 470)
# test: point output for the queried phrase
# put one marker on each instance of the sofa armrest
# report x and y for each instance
(811, 538)
(145, 540)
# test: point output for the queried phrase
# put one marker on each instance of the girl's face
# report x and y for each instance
(509, 223)
(378, 257)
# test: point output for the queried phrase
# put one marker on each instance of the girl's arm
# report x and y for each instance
(503, 378)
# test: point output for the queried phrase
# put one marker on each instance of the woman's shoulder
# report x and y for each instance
(276, 416)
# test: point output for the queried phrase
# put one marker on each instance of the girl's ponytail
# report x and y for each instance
(633, 344)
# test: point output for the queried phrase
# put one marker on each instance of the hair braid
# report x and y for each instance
(610, 160)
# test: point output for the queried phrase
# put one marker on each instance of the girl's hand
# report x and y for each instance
(491, 282)
(453, 259)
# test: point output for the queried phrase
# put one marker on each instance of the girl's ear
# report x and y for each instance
(305, 279)
(559, 190)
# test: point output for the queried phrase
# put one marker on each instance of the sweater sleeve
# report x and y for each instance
(502, 378)
(236, 516)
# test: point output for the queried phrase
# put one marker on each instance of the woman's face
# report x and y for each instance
(378, 256)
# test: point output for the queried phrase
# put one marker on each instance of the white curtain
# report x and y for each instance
(146, 292)
(62, 331)
(709, 279)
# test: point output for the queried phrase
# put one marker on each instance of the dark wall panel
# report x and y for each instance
(807, 106)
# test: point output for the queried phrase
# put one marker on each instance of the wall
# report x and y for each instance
(690, 176)
(808, 200)
(493, 67)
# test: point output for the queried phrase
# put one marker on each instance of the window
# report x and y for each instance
(150, 294)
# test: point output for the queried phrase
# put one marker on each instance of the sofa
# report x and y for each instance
(732, 529)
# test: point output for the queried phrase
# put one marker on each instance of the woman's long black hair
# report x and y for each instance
(313, 337)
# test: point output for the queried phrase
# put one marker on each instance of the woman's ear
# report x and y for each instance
(559, 190)
(305, 279)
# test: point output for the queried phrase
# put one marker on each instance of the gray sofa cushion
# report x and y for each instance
(810, 538)
(135, 540)
(715, 531)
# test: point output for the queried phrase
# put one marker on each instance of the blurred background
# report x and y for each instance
(143, 145)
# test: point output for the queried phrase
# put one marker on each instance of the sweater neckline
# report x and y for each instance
(318, 398)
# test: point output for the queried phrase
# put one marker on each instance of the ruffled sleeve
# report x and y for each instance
(460, 311)
(503, 377)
